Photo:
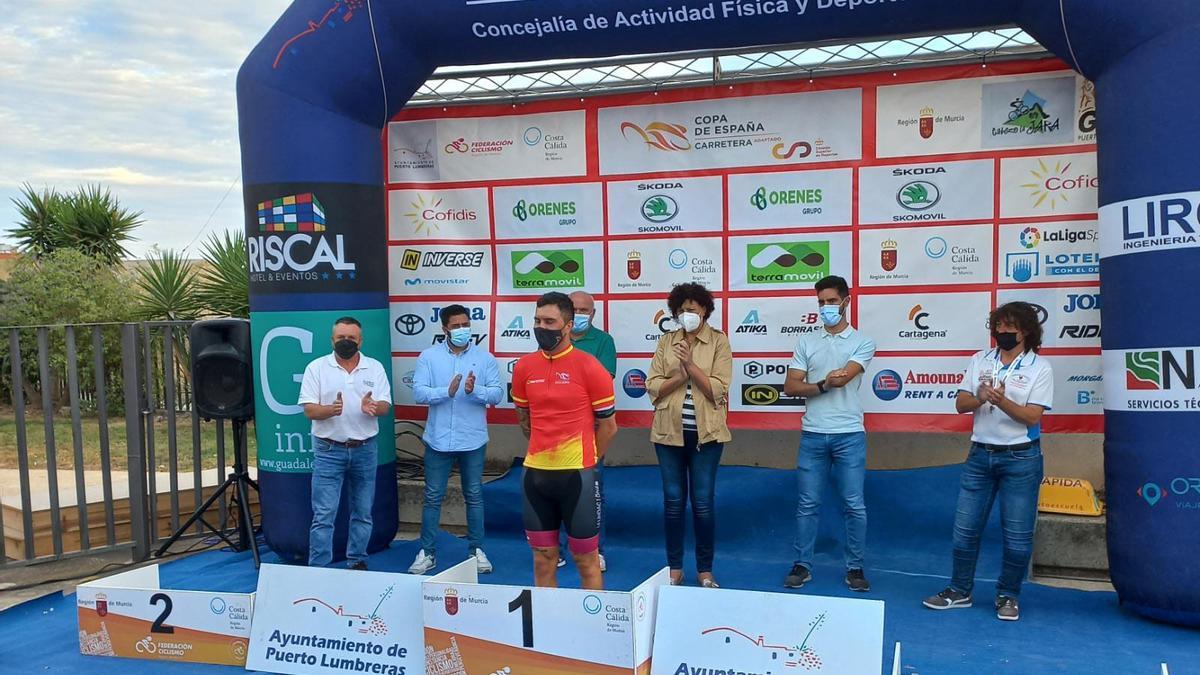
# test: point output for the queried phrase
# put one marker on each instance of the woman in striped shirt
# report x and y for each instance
(689, 386)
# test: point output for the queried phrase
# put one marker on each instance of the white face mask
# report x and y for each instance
(689, 320)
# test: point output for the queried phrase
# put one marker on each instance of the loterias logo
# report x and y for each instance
(787, 262)
(762, 198)
(427, 214)
(1053, 185)
(561, 268)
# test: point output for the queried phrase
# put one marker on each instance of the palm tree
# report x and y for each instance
(35, 231)
(168, 288)
(225, 281)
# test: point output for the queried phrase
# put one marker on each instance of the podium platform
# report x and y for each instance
(910, 517)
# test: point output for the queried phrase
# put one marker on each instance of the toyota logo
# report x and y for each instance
(409, 324)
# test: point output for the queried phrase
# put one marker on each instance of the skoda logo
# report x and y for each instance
(409, 324)
(659, 209)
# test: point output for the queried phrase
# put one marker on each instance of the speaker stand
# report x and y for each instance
(239, 481)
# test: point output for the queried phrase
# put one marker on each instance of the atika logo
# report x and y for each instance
(1160, 370)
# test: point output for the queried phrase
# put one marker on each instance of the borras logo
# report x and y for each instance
(561, 268)
(787, 262)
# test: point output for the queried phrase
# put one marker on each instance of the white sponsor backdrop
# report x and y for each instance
(926, 192)
(963, 193)
(549, 211)
(417, 325)
(790, 199)
(670, 205)
(657, 265)
(751, 131)
(439, 214)
(486, 148)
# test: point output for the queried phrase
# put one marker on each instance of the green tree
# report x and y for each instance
(225, 280)
(65, 287)
(90, 220)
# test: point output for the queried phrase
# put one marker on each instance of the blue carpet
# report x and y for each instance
(910, 512)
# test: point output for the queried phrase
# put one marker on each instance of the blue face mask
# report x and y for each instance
(459, 337)
(581, 324)
(831, 314)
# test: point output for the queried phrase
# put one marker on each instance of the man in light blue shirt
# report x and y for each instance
(457, 380)
(827, 370)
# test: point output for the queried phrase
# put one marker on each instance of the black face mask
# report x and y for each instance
(547, 339)
(1006, 341)
(345, 348)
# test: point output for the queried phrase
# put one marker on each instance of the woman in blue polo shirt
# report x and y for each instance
(1007, 389)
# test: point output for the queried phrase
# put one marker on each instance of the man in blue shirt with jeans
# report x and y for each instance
(827, 370)
(457, 380)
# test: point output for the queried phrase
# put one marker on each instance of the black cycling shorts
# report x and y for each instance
(568, 497)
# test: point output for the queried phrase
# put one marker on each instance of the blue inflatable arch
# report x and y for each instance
(315, 94)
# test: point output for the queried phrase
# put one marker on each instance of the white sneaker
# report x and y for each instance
(422, 564)
(482, 563)
(603, 566)
(562, 562)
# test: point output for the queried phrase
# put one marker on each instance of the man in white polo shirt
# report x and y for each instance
(344, 393)
(1007, 389)
(827, 370)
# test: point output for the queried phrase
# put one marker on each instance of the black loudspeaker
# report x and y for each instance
(222, 369)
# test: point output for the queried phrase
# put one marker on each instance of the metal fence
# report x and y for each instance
(115, 398)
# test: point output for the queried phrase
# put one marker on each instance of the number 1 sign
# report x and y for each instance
(479, 629)
(129, 615)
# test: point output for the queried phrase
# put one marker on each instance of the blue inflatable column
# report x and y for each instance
(1149, 110)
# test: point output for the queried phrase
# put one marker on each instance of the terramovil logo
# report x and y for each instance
(634, 383)
(787, 262)
(561, 268)
(1183, 492)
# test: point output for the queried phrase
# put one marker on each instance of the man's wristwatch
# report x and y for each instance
(821, 386)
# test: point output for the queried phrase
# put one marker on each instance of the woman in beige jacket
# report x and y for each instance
(689, 387)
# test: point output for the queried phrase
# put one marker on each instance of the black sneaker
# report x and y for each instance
(857, 581)
(797, 577)
(948, 599)
(1007, 608)
(360, 566)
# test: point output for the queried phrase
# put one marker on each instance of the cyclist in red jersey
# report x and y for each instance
(565, 404)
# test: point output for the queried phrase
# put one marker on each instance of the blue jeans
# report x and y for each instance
(562, 536)
(1016, 477)
(842, 457)
(437, 474)
(331, 465)
(689, 469)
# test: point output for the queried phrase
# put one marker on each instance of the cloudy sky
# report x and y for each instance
(136, 95)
